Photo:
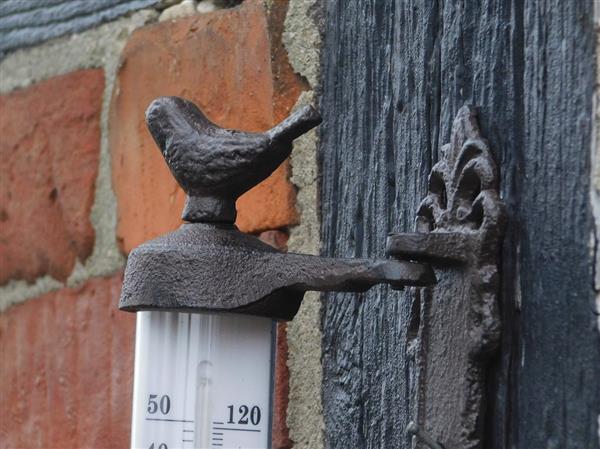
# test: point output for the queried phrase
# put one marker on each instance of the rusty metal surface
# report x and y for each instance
(208, 267)
(207, 264)
(213, 165)
(455, 325)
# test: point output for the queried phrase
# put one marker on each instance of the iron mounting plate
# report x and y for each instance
(455, 324)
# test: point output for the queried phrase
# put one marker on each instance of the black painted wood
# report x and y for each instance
(24, 23)
(394, 75)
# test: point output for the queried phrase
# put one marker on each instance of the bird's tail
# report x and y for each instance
(295, 125)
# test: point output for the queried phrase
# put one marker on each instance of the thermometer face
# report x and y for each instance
(202, 381)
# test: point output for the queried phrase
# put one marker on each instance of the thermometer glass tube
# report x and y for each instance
(202, 381)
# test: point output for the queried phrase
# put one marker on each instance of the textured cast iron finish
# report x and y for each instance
(207, 264)
(214, 165)
(456, 324)
(209, 267)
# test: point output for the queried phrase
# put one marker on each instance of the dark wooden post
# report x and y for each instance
(394, 76)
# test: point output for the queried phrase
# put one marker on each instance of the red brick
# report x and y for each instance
(221, 61)
(281, 390)
(66, 366)
(277, 239)
(49, 154)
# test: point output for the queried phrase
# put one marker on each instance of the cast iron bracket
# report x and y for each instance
(455, 325)
(207, 264)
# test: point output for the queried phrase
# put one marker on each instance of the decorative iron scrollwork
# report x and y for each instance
(456, 323)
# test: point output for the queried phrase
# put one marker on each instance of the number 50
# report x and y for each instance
(164, 405)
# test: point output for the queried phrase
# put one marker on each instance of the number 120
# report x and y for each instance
(244, 411)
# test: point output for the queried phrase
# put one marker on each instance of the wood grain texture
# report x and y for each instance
(394, 76)
(24, 23)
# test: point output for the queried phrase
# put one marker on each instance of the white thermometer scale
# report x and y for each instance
(202, 381)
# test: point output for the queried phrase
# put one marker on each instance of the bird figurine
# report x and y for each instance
(208, 264)
(214, 165)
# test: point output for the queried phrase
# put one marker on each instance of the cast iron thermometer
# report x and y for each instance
(208, 264)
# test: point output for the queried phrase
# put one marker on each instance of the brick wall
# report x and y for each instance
(82, 183)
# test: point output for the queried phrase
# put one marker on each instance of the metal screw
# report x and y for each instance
(414, 429)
